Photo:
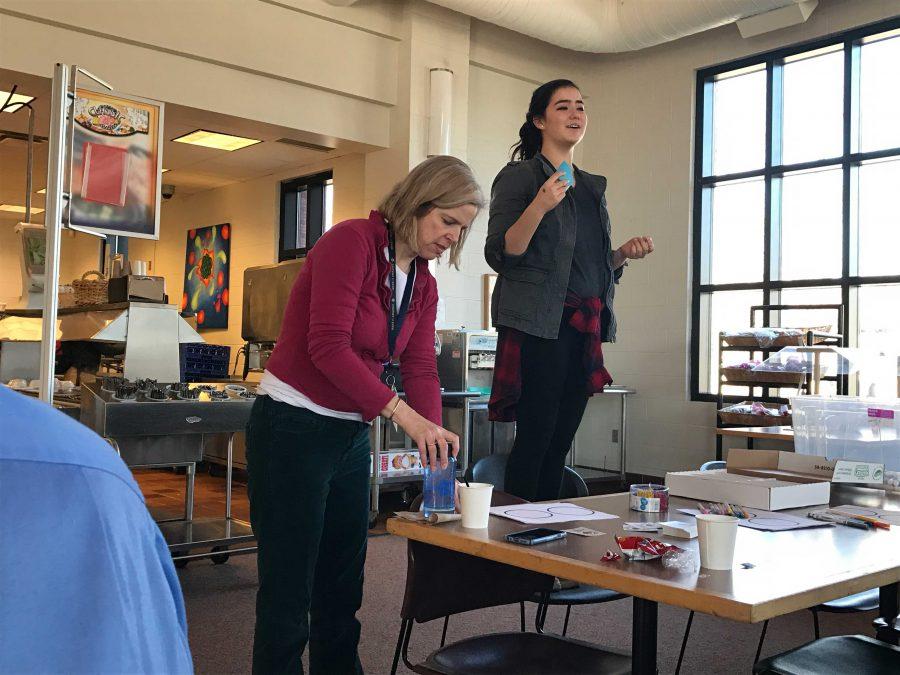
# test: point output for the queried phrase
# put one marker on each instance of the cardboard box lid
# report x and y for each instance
(779, 464)
(770, 493)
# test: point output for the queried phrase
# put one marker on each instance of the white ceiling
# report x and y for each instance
(192, 168)
(602, 26)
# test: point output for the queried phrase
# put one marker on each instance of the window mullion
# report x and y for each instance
(772, 207)
(850, 213)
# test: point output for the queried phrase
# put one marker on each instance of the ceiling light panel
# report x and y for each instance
(217, 141)
(17, 98)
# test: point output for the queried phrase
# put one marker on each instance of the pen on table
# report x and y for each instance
(881, 524)
(839, 520)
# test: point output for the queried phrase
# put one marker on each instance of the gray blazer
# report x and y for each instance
(531, 288)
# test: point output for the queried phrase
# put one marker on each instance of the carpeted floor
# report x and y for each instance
(220, 609)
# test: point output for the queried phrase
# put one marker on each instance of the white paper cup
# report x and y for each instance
(475, 504)
(716, 536)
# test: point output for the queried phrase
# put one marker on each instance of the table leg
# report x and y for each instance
(189, 473)
(643, 637)
(889, 608)
(229, 470)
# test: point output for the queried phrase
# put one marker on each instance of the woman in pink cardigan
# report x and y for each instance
(364, 299)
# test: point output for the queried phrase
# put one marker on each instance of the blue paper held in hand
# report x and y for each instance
(568, 175)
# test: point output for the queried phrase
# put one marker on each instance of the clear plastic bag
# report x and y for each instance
(681, 560)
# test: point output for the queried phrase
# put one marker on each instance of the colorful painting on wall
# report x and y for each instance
(206, 266)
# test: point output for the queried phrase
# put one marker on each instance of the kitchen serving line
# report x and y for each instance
(774, 573)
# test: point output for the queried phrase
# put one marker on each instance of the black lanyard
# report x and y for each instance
(395, 317)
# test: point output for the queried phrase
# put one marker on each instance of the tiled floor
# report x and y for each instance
(164, 491)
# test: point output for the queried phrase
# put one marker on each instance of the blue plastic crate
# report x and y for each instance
(204, 361)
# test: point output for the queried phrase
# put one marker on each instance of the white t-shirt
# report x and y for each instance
(281, 391)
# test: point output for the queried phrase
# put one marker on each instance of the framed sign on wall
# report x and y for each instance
(116, 164)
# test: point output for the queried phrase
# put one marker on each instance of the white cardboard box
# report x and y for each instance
(400, 463)
(768, 494)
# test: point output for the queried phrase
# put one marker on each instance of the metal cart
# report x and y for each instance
(170, 433)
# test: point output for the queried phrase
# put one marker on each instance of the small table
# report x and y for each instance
(785, 434)
(619, 476)
(791, 570)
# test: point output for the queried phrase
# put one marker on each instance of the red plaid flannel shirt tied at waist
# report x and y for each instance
(507, 386)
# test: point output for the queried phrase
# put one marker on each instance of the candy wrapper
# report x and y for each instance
(642, 548)
(609, 556)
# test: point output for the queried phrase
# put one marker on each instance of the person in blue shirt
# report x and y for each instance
(87, 583)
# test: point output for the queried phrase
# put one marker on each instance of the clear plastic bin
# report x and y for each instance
(845, 427)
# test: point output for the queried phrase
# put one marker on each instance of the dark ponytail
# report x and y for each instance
(530, 137)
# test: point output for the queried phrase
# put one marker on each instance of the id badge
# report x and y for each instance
(389, 377)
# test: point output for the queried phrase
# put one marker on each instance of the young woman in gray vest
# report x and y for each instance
(549, 241)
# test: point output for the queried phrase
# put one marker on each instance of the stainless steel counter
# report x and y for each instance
(161, 426)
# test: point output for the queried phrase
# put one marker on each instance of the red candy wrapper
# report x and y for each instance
(609, 556)
(642, 548)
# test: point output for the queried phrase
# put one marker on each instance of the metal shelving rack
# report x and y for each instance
(804, 381)
(380, 440)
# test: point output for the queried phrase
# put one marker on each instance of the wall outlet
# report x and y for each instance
(615, 435)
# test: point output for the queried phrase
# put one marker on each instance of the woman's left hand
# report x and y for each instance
(636, 248)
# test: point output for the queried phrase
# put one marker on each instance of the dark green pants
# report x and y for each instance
(309, 506)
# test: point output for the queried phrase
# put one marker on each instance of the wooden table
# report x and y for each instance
(770, 433)
(785, 434)
(791, 570)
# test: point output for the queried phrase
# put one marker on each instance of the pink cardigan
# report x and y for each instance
(333, 339)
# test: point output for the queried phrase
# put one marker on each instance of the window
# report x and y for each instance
(797, 195)
(306, 213)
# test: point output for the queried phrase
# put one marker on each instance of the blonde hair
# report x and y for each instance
(439, 182)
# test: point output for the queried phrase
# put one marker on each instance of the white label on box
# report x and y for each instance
(848, 471)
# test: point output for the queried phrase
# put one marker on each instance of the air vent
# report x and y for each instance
(304, 144)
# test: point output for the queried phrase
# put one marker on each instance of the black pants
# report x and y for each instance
(309, 506)
(548, 413)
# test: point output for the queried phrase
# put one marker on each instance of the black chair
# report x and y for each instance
(859, 602)
(855, 654)
(492, 469)
(478, 584)
(498, 498)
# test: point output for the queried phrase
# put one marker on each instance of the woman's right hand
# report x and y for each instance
(436, 444)
(551, 193)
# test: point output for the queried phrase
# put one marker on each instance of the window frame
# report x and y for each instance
(850, 43)
(315, 227)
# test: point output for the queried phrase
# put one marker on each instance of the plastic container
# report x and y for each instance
(649, 497)
(439, 489)
(846, 427)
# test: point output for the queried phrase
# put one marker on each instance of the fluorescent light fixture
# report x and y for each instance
(14, 208)
(211, 139)
(17, 98)
(42, 191)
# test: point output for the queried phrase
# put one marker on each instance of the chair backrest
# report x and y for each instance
(711, 466)
(440, 582)
(573, 484)
(491, 469)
